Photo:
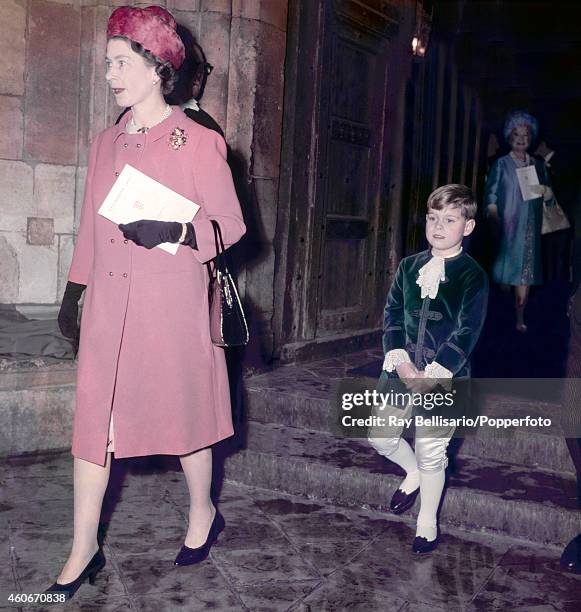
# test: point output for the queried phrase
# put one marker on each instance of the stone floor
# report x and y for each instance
(277, 552)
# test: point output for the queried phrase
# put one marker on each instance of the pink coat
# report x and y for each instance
(145, 351)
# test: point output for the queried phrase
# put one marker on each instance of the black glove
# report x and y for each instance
(68, 318)
(148, 233)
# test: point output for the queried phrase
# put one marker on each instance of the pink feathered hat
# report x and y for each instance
(152, 27)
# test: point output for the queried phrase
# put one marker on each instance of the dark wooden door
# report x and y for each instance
(333, 236)
(349, 189)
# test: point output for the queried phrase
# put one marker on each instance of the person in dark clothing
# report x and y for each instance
(556, 246)
(571, 421)
(191, 85)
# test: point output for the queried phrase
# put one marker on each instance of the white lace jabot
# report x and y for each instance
(431, 274)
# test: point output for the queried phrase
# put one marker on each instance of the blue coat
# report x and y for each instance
(519, 258)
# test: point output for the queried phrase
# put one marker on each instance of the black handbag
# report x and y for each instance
(227, 321)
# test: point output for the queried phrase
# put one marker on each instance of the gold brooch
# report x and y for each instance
(177, 139)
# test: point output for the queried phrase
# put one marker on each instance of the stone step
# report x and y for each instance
(36, 410)
(482, 494)
(292, 451)
(270, 398)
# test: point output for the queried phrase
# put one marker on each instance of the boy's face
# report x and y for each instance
(446, 228)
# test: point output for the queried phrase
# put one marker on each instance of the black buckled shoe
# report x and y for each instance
(189, 556)
(95, 565)
(421, 545)
(571, 557)
(400, 502)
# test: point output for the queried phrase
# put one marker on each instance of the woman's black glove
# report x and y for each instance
(68, 318)
(148, 233)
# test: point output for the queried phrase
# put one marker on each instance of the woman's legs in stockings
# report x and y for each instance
(90, 483)
(521, 297)
(198, 471)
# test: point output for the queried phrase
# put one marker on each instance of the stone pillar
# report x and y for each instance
(254, 130)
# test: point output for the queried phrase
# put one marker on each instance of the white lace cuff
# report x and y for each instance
(435, 370)
(394, 358)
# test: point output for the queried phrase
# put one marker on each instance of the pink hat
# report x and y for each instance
(152, 27)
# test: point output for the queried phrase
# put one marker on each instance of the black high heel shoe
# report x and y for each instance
(95, 565)
(189, 556)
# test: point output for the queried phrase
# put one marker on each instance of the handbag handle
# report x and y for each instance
(220, 259)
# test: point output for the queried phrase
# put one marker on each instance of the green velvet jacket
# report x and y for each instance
(444, 329)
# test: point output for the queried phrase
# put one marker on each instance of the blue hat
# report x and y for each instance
(517, 119)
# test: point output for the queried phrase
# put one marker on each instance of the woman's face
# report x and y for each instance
(131, 79)
(520, 139)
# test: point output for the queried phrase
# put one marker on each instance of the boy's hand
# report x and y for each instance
(406, 370)
(492, 212)
(421, 383)
(410, 376)
(538, 190)
(494, 222)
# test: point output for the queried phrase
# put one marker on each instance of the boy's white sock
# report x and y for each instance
(431, 487)
(405, 457)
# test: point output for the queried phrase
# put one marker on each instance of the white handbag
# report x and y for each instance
(554, 219)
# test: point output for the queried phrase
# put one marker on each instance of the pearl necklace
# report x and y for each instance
(143, 130)
(520, 163)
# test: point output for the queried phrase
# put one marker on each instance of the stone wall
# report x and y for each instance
(39, 89)
(53, 100)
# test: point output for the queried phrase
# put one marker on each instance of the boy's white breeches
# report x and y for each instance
(430, 452)
(430, 442)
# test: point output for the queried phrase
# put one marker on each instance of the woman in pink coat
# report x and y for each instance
(149, 379)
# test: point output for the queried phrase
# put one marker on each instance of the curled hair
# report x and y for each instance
(456, 196)
(520, 118)
(164, 69)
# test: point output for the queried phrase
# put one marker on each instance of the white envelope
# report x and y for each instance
(136, 196)
(527, 176)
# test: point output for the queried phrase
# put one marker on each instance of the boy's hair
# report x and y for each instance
(457, 196)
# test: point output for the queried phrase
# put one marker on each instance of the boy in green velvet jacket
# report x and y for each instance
(434, 314)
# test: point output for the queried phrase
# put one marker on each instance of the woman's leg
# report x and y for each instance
(521, 298)
(90, 483)
(198, 471)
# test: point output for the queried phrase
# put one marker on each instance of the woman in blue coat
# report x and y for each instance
(518, 262)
